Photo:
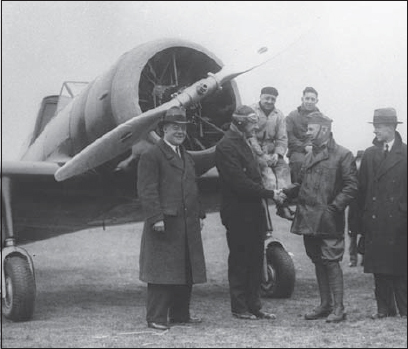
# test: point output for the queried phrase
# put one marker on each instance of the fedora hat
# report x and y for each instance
(385, 116)
(175, 115)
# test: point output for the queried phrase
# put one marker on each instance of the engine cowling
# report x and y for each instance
(142, 79)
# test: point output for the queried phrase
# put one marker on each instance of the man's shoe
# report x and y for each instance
(318, 313)
(378, 316)
(264, 315)
(336, 316)
(245, 316)
(157, 326)
(191, 320)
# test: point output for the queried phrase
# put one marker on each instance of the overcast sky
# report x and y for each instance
(354, 53)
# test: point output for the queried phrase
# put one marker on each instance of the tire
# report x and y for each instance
(18, 303)
(281, 273)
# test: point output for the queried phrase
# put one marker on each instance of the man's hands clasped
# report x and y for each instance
(279, 196)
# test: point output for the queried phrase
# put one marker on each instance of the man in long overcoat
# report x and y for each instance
(243, 214)
(383, 201)
(171, 251)
(328, 183)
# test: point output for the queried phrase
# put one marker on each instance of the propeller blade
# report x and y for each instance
(121, 138)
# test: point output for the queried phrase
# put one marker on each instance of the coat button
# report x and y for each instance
(374, 198)
(374, 216)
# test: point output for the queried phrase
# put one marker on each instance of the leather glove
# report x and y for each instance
(292, 190)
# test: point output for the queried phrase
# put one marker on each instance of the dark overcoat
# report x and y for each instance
(383, 202)
(241, 186)
(328, 185)
(168, 191)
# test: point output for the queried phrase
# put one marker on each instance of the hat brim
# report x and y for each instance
(161, 123)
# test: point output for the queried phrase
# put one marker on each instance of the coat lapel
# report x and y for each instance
(313, 159)
(392, 159)
(171, 156)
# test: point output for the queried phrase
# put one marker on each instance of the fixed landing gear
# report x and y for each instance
(279, 272)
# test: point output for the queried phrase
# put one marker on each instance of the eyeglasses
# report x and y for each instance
(178, 127)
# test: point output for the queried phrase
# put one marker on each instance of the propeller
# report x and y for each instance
(121, 138)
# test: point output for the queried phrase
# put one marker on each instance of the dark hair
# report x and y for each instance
(310, 89)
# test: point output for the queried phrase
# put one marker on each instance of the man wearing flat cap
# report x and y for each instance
(327, 184)
(271, 141)
(383, 200)
(171, 249)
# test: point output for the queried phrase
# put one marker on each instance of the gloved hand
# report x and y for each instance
(292, 190)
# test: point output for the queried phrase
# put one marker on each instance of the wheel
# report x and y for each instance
(18, 303)
(281, 273)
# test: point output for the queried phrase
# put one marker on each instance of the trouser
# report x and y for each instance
(282, 173)
(278, 176)
(245, 262)
(353, 248)
(168, 301)
(295, 164)
(391, 290)
(326, 255)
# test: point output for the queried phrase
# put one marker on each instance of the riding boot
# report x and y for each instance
(336, 285)
(325, 307)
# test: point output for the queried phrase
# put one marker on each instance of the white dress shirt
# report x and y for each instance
(174, 147)
(390, 144)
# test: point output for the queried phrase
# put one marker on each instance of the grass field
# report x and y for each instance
(89, 295)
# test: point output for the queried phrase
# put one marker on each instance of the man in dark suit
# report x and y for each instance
(243, 214)
(383, 201)
(171, 250)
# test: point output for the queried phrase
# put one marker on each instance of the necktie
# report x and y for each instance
(386, 151)
(178, 151)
